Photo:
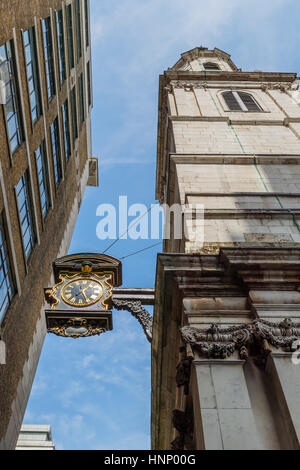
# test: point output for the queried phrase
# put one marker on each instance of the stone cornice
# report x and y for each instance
(235, 76)
(264, 268)
(250, 213)
(239, 122)
(234, 159)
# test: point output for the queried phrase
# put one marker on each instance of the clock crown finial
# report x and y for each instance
(86, 267)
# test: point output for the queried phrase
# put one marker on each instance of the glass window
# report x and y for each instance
(54, 130)
(32, 73)
(61, 46)
(211, 66)
(26, 214)
(88, 74)
(48, 54)
(87, 22)
(240, 101)
(248, 101)
(9, 96)
(66, 126)
(7, 289)
(78, 29)
(41, 164)
(231, 101)
(70, 36)
(81, 94)
(74, 113)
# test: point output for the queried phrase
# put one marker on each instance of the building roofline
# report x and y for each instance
(201, 51)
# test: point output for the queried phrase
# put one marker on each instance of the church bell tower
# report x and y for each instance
(227, 313)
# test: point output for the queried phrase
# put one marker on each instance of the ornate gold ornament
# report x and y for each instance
(76, 328)
(81, 299)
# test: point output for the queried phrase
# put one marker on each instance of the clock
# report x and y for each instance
(82, 292)
(81, 299)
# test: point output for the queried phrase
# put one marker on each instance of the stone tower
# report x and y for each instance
(227, 312)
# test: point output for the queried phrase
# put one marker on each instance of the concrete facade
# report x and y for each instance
(23, 326)
(226, 321)
(35, 437)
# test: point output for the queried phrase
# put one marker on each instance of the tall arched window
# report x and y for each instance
(211, 66)
(240, 101)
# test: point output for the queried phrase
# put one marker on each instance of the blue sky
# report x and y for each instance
(95, 392)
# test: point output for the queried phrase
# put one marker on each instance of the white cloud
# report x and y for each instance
(86, 360)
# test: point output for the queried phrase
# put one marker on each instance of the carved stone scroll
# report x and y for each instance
(136, 308)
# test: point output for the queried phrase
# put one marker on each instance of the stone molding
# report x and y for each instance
(277, 86)
(220, 343)
(189, 85)
(217, 343)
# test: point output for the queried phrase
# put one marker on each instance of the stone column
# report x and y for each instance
(285, 376)
(223, 418)
(280, 312)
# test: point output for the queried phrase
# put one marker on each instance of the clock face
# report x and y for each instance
(82, 292)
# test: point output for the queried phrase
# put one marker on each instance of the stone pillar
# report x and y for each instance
(223, 417)
(285, 377)
(280, 312)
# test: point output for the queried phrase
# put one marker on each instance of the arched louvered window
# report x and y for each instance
(211, 66)
(240, 101)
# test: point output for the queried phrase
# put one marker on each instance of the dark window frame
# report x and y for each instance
(26, 214)
(81, 98)
(11, 82)
(66, 130)
(61, 45)
(48, 57)
(211, 66)
(74, 114)
(69, 13)
(87, 22)
(43, 179)
(6, 271)
(78, 29)
(30, 47)
(89, 83)
(240, 101)
(56, 151)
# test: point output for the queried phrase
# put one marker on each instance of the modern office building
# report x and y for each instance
(225, 366)
(35, 437)
(45, 165)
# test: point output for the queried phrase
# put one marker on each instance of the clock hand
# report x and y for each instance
(84, 295)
